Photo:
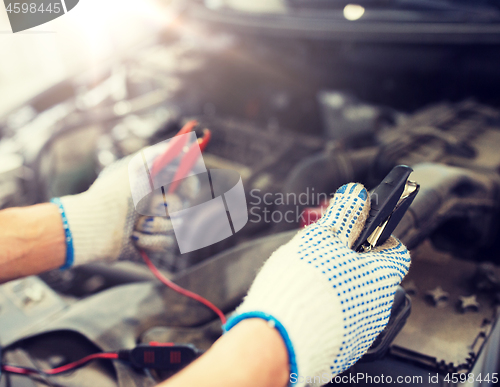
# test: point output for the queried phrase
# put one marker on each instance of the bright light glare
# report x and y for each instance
(111, 24)
(353, 11)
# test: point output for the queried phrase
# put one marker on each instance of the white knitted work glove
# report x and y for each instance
(104, 224)
(328, 302)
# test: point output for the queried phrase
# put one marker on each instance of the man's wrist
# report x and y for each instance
(251, 354)
(272, 323)
(266, 346)
(32, 240)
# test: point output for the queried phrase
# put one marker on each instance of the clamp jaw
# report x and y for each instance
(389, 202)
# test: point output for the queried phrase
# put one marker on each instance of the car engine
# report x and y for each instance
(297, 114)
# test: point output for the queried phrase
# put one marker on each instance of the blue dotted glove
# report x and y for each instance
(328, 302)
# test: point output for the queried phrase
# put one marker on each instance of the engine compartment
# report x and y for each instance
(297, 118)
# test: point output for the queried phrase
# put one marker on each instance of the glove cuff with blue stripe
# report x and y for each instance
(101, 219)
(332, 301)
(105, 225)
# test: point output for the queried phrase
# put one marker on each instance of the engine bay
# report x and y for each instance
(297, 118)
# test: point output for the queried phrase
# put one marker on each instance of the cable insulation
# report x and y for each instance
(186, 165)
(181, 290)
(61, 369)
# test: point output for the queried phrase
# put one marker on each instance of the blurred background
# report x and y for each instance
(301, 97)
(45, 55)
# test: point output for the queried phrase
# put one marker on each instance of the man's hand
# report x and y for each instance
(324, 304)
(99, 224)
(328, 302)
(104, 223)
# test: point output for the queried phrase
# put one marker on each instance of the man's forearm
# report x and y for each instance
(252, 354)
(32, 241)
